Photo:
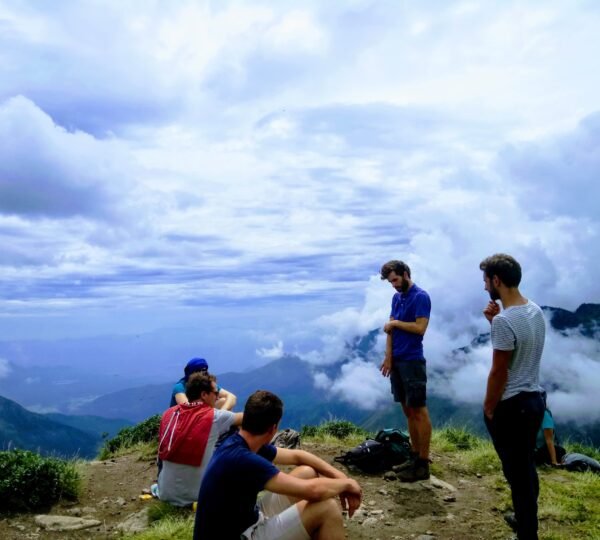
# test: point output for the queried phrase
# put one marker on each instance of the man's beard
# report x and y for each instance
(403, 286)
(494, 294)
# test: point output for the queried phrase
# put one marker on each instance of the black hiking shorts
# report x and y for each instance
(409, 382)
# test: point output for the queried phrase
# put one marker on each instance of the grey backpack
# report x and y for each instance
(286, 438)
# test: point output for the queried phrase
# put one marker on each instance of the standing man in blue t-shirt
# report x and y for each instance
(404, 363)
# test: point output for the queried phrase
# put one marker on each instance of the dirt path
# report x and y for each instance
(391, 510)
(396, 510)
(111, 492)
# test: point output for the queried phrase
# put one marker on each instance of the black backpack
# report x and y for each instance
(390, 447)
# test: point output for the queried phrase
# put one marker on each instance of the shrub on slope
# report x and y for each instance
(31, 482)
(145, 432)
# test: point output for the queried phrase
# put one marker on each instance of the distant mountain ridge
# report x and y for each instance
(293, 379)
(54, 434)
(20, 428)
(586, 318)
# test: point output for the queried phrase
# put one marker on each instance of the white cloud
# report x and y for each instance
(273, 353)
(361, 384)
(4, 368)
(233, 154)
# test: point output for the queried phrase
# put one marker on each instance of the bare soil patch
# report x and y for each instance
(391, 510)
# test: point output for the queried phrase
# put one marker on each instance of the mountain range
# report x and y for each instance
(54, 434)
(293, 380)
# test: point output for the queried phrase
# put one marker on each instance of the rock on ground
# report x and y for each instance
(64, 523)
(135, 523)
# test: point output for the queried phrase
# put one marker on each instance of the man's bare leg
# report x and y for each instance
(422, 425)
(413, 429)
(322, 520)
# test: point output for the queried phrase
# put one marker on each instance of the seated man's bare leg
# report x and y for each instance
(273, 503)
(322, 520)
(304, 471)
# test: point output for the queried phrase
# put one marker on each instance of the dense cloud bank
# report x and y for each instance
(244, 170)
(458, 363)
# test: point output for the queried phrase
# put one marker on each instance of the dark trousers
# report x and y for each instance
(513, 429)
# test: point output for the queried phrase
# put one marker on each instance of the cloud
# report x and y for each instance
(46, 171)
(568, 163)
(203, 160)
(5, 368)
(359, 383)
(273, 353)
(569, 373)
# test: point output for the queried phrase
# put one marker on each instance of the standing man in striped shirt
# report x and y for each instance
(514, 407)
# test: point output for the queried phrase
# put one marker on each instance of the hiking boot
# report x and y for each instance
(408, 463)
(511, 520)
(418, 471)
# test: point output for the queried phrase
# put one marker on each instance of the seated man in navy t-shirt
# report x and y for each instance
(299, 505)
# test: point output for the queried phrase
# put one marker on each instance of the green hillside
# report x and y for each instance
(97, 426)
(20, 428)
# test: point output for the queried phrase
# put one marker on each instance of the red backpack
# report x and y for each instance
(184, 431)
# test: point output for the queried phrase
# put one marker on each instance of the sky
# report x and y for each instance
(243, 169)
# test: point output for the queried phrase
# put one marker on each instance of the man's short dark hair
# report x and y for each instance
(505, 267)
(199, 382)
(394, 266)
(262, 411)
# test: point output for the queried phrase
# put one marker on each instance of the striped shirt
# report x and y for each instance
(521, 329)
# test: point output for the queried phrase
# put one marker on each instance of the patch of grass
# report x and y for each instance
(471, 454)
(334, 431)
(583, 449)
(452, 439)
(146, 450)
(129, 437)
(160, 510)
(569, 505)
(340, 429)
(169, 528)
(30, 482)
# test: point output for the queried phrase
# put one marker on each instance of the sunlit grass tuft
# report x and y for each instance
(569, 504)
(169, 528)
(333, 432)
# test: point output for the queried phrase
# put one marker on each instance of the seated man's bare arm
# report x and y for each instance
(180, 398)
(226, 400)
(313, 489)
(286, 456)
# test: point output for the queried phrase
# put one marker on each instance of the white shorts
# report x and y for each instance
(279, 519)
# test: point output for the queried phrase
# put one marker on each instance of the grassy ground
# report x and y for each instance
(569, 506)
(569, 503)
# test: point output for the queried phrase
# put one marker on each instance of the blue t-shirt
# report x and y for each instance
(547, 423)
(408, 307)
(233, 479)
(179, 388)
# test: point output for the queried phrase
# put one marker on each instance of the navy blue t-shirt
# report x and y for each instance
(408, 307)
(233, 479)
